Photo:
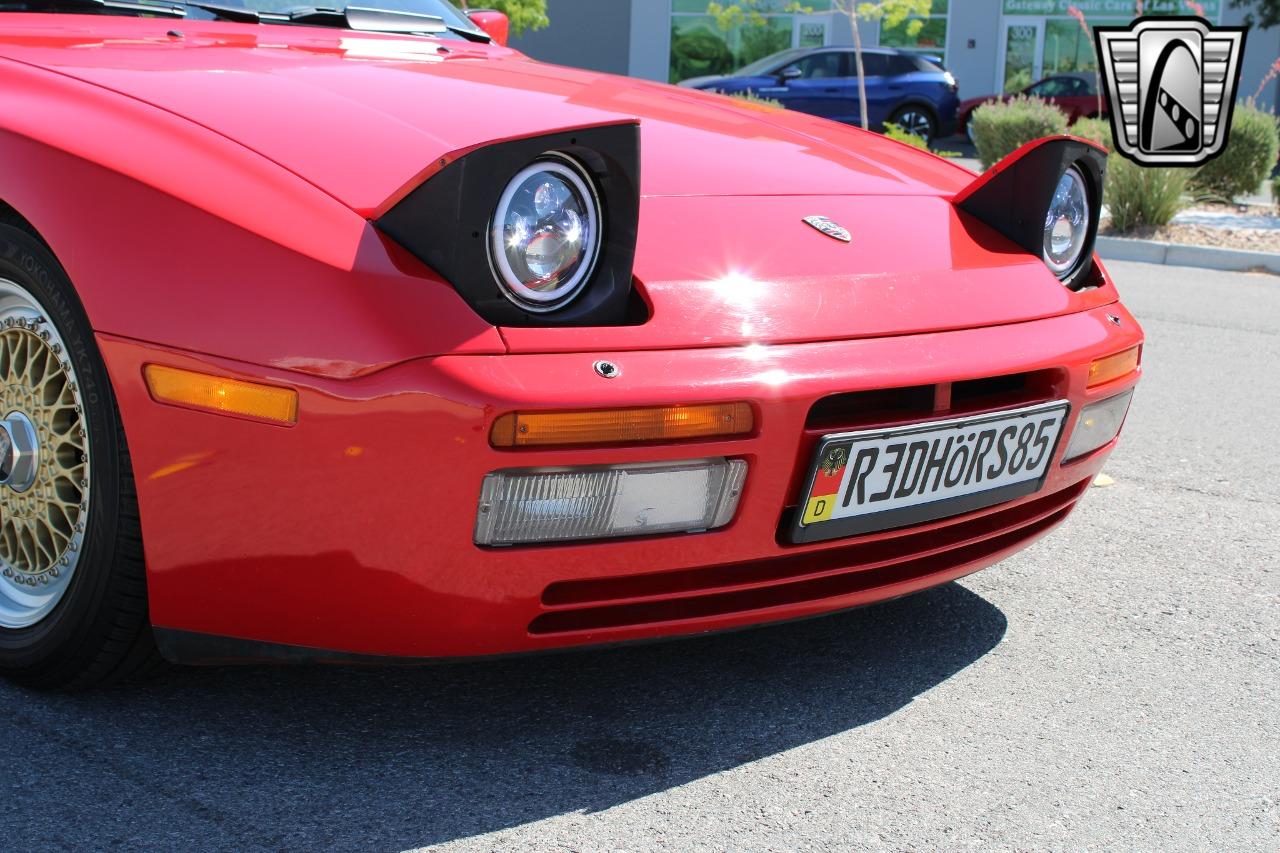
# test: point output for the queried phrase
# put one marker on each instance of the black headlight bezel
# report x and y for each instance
(445, 223)
(1014, 195)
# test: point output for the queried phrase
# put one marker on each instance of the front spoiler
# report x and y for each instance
(351, 531)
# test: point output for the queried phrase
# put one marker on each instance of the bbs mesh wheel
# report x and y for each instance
(73, 606)
(44, 463)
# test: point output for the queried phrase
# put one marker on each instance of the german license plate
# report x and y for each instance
(878, 479)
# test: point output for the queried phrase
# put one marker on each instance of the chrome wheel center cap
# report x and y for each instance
(19, 452)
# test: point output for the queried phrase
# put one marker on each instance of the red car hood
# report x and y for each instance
(361, 115)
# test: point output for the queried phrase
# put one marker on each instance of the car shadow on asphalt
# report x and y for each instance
(400, 758)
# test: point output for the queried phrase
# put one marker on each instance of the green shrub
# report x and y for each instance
(1143, 195)
(1093, 129)
(1247, 159)
(1137, 195)
(1000, 129)
(894, 131)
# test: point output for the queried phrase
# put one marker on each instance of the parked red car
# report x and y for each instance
(350, 335)
(1074, 94)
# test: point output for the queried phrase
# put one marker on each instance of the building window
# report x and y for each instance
(745, 31)
(931, 40)
(1067, 47)
(1041, 39)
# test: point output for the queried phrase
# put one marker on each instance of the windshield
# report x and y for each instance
(770, 62)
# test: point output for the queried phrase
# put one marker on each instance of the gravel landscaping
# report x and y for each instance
(1252, 228)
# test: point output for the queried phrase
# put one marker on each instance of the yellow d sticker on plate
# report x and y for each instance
(819, 508)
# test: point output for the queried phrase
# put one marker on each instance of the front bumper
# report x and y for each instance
(352, 530)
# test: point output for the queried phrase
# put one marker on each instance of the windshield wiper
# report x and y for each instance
(239, 14)
(358, 18)
(91, 6)
(371, 20)
(226, 13)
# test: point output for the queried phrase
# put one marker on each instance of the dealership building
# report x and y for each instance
(989, 45)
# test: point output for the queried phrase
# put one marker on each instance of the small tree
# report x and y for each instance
(890, 13)
(1088, 33)
(524, 14)
(733, 13)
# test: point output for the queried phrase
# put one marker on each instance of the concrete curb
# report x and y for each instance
(1175, 254)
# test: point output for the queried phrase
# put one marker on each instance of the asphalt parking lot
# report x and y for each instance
(1116, 686)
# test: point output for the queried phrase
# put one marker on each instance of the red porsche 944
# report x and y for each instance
(336, 335)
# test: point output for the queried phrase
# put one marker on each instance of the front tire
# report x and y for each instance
(916, 119)
(73, 596)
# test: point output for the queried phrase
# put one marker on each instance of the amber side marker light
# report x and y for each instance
(616, 426)
(220, 394)
(1103, 370)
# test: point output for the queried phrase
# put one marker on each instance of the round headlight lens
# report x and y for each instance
(545, 235)
(1066, 224)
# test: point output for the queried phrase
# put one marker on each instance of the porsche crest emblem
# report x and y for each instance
(832, 229)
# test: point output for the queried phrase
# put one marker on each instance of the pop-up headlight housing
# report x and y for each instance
(1046, 197)
(539, 231)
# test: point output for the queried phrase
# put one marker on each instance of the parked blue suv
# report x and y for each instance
(910, 90)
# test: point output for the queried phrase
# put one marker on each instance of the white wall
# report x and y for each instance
(592, 34)
(650, 39)
(975, 22)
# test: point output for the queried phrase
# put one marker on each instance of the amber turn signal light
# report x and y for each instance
(616, 426)
(220, 394)
(1103, 370)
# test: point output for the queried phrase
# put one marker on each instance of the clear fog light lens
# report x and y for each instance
(554, 505)
(1098, 424)
(545, 235)
(1066, 224)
